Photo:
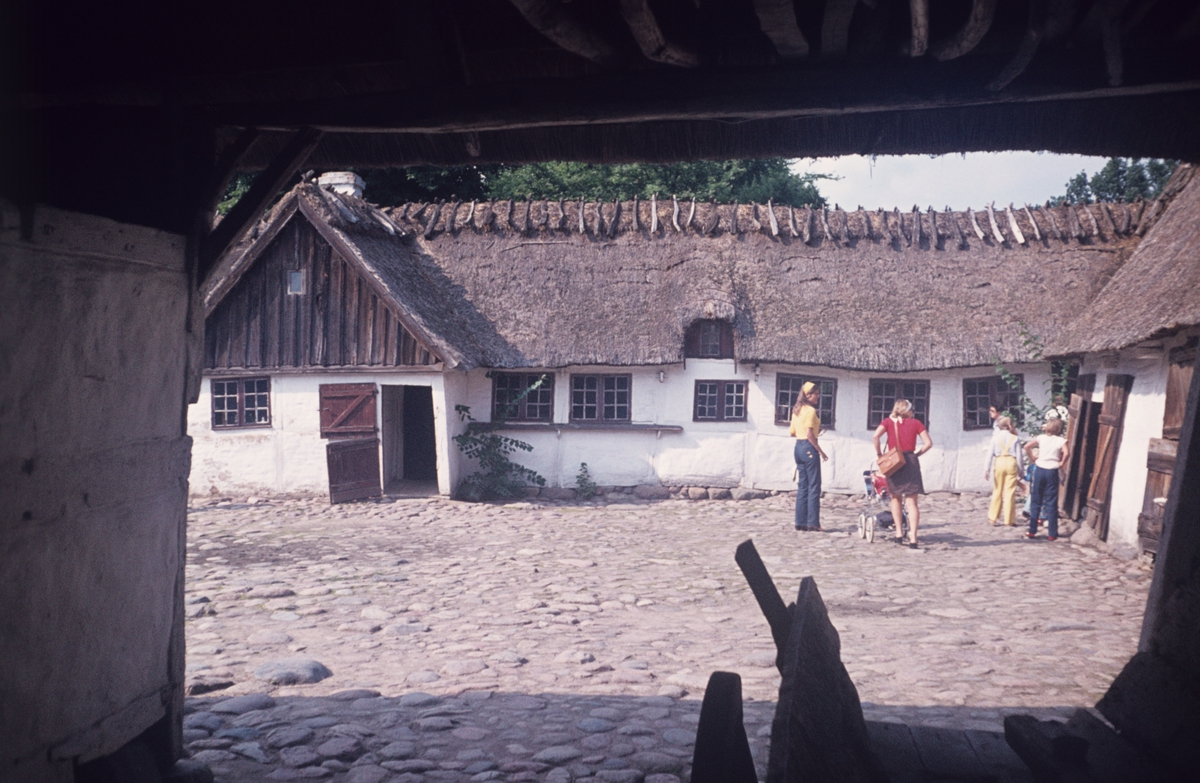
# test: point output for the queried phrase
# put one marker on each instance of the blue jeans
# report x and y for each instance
(1044, 500)
(808, 491)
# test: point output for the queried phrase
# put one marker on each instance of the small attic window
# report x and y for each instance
(295, 282)
(709, 339)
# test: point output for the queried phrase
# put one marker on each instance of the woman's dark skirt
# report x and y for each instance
(907, 480)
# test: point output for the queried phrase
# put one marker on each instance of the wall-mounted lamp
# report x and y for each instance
(757, 371)
(662, 376)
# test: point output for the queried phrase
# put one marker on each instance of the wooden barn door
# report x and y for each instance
(1108, 442)
(1160, 462)
(348, 419)
(353, 469)
(1082, 423)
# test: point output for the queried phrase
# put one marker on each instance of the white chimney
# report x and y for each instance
(344, 183)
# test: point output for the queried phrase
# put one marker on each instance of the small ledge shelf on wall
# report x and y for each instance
(557, 428)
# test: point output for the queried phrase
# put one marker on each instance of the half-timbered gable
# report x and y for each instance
(301, 304)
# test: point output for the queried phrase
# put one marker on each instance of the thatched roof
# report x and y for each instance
(549, 284)
(1157, 291)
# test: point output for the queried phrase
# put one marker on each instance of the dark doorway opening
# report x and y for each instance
(409, 442)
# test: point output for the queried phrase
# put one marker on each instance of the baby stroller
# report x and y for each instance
(878, 513)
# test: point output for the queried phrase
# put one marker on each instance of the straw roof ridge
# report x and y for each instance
(1009, 226)
(1156, 292)
(519, 285)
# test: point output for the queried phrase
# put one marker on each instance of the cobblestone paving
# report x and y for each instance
(556, 642)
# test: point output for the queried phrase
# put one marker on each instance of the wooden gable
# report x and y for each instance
(336, 317)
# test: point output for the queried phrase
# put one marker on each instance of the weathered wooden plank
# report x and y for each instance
(350, 329)
(1151, 704)
(722, 753)
(287, 304)
(337, 312)
(254, 304)
(945, 753)
(271, 270)
(221, 339)
(996, 758)
(818, 733)
(320, 294)
(765, 593)
(379, 341)
(304, 316)
(894, 745)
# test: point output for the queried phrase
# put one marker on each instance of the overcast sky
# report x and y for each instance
(957, 180)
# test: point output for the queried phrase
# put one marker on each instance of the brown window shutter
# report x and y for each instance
(726, 340)
(347, 410)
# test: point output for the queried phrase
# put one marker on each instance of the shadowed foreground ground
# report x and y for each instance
(556, 642)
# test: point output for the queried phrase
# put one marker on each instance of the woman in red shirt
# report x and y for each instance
(902, 431)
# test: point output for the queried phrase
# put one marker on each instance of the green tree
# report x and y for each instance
(426, 183)
(1121, 179)
(727, 180)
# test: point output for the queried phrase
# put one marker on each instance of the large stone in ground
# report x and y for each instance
(292, 671)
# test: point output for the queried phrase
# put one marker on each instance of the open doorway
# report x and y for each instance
(409, 443)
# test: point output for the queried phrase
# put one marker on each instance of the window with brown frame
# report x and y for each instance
(720, 401)
(979, 394)
(709, 340)
(787, 389)
(519, 396)
(240, 402)
(600, 398)
(884, 394)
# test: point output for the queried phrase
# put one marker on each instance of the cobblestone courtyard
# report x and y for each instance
(544, 641)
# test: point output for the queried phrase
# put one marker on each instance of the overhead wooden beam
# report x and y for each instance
(251, 206)
(835, 27)
(552, 20)
(650, 38)
(970, 34)
(919, 10)
(777, 18)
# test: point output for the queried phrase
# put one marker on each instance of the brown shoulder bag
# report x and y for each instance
(893, 459)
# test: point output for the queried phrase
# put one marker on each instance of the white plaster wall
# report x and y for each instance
(94, 347)
(289, 456)
(1143, 420)
(755, 453)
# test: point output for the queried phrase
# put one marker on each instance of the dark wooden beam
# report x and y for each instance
(650, 38)
(765, 593)
(251, 206)
(556, 23)
(722, 753)
(777, 18)
(970, 34)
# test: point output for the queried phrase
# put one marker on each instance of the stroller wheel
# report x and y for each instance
(862, 525)
(870, 532)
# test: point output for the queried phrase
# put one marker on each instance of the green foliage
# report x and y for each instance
(705, 180)
(1029, 416)
(237, 188)
(584, 484)
(498, 476)
(426, 183)
(1121, 179)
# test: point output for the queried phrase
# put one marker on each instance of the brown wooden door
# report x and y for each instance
(347, 410)
(353, 469)
(1068, 477)
(1179, 380)
(1160, 463)
(1108, 442)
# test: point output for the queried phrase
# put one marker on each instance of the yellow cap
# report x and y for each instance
(808, 387)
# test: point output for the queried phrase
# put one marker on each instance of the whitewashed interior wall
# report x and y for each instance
(93, 336)
(758, 452)
(289, 456)
(1144, 412)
